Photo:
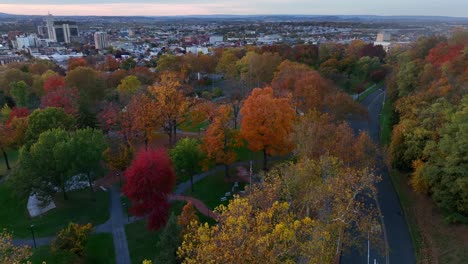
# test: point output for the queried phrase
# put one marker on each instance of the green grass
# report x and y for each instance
(99, 249)
(141, 242)
(79, 209)
(244, 154)
(12, 158)
(367, 93)
(187, 126)
(212, 188)
(386, 117)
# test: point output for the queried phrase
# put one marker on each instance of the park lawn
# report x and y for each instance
(142, 243)
(79, 209)
(187, 126)
(245, 154)
(212, 188)
(12, 158)
(99, 249)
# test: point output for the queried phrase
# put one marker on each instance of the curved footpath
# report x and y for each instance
(116, 223)
(396, 234)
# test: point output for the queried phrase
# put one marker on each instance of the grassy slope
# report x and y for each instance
(79, 208)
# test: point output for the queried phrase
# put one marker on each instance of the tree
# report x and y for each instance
(10, 253)
(90, 86)
(169, 241)
(61, 97)
(227, 64)
(171, 101)
(187, 157)
(258, 69)
(188, 215)
(220, 139)
(5, 141)
(74, 63)
(46, 166)
(267, 123)
(20, 92)
(44, 119)
(73, 238)
(144, 117)
(88, 146)
(247, 234)
(149, 181)
(128, 86)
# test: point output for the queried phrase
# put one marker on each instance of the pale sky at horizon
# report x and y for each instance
(457, 8)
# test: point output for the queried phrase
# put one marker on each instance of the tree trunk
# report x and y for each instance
(65, 196)
(265, 160)
(226, 170)
(175, 130)
(6, 159)
(93, 197)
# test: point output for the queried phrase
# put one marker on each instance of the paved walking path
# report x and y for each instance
(117, 221)
(197, 203)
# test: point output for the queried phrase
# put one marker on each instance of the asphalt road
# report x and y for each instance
(396, 234)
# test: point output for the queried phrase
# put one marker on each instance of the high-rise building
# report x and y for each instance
(50, 27)
(65, 30)
(60, 31)
(101, 40)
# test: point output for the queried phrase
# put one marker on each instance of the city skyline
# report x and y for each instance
(455, 8)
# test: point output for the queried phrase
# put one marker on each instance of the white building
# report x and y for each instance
(383, 37)
(197, 50)
(25, 42)
(101, 40)
(216, 39)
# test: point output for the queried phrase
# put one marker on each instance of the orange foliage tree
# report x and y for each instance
(267, 122)
(144, 116)
(171, 102)
(220, 139)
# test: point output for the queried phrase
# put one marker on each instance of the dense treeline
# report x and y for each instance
(429, 87)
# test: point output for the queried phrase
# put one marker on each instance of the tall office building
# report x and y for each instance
(101, 40)
(50, 27)
(61, 31)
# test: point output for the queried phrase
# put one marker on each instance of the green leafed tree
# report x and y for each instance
(88, 146)
(20, 92)
(42, 120)
(169, 242)
(187, 157)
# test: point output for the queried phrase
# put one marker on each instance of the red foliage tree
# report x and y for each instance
(108, 117)
(61, 97)
(75, 63)
(149, 181)
(443, 53)
(17, 112)
(53, 82)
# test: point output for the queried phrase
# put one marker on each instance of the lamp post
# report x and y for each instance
(120, 179)
(126, 209)
(32, 233)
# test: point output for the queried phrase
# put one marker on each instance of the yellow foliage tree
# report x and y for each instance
(246, 234)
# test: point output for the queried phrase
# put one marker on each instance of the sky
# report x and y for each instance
(236, 7)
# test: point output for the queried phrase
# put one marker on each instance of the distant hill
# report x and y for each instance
(275, 17)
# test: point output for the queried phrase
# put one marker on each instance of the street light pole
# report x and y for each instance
(32, 232)
(126, 209)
